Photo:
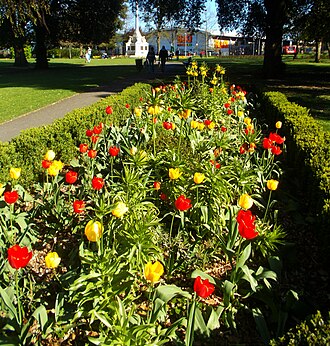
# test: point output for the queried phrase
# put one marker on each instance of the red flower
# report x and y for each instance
(97, 129)
(89, 133)
(156, 185)
(207, 122)
(92, 153)
(71, 177)
(276, 150)
(19, 257)
(229, 111)
(203, 288)
(109, 110)
(83, 148)
(246, 226)
(78, 206)
(276, 138)
(45, 164)
(182, 203)
(247, 131)
(223, 129)
(95, 139)
(141, 99)
(215, 164)
(154, 120)
(227, 105)
(10, 196)
(114, 151)
(167, 125)
(97, 183)
(267, 143)
(127, 105)
(163, 196)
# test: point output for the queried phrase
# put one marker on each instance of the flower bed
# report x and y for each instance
(160, 230)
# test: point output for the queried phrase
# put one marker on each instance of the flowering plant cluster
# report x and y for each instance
(183, 186)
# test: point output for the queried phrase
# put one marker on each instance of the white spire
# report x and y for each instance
(137, 30)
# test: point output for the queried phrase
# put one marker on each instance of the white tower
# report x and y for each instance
(137, 45)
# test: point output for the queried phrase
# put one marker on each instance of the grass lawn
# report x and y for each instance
(23, 90)
(27, 89)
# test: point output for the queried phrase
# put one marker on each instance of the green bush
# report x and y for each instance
(314, 331)
(308, 157)
(64, 135)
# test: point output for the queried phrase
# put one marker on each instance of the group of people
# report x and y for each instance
(151, 58)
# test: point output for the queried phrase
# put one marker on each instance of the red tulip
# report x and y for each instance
(182, 203)
(227, 105)
(94, 139)
(207, 122)
(45, 164)
(246, 226)
(167, 125)
(215, 164)
(267, 143)
(71, 177)
(229, 111)
(89, 133)
(276, 150)
(92, 153)
(83, 148)
(223, 129)
(156, 185)
(203, 288)
(163, 196)
(78, 206)
(19, 257)
(98, 129)
(109, 110)
(10, 196)
(114, 151)
(97, 183)
(127, 105)
(275, 137)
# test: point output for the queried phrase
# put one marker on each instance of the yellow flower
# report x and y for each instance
(220, 69)
(133, 151)
(194, 124)
(52, 260)
(138, 111)
(272, 184)
(55, 168)
(93, 230)
(247, 121)
(194, 64)
(15, 172)
(174, 173)
(153, 271)
(211, 125)
(153, 110)
(50, 155)
(185, 113)
(278, 124)
(245, 201)
(2, 188)
(214, 81)
(200, 126)
(199, 178)
(120, 209)
(240, 113)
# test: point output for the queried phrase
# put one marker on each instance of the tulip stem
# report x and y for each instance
(270, 193)
(19, 307)
(180, 137)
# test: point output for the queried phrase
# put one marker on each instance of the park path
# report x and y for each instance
(47, 114)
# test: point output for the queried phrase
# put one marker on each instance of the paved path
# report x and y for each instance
(48, 114)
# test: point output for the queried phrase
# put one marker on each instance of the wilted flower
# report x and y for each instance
(272, 184)
(93, 230)
(153, 271)
(245, 201)
(133, 151)
(15, 172)
(120, 209)
(174, 173)
(19, 257)
(198, 178)
(52, 260)
(203, 288)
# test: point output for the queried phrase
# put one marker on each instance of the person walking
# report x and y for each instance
(88, 54)
(163, 56)
(151, 58)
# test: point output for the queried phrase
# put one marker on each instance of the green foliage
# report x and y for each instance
(314, 331)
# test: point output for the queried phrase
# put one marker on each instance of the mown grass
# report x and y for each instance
(23, 90)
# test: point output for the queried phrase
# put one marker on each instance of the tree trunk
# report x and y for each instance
(20, 58)
(276, 14)
(318, 51)
(158, 41)
(40, 49)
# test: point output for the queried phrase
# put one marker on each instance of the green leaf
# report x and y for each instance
(248, 277)
(167, 292)
(261, 325)
(121, 312)
(213, 322)
(244, 256)
(40, 314)
(199, 323)
(203, 275)
(6, 299)
(228, 288)
(189, 338)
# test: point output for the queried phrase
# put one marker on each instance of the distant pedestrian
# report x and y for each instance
(88, 54)
(177, 53)
(151, 57)
(163, 56)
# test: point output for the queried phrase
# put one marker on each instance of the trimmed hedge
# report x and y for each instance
(307, 157)
(64, 135)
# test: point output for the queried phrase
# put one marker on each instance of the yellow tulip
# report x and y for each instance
(185, 113)
(247, 121)
(194, 124)
(272, 184)
(55, 168)
(245, 201)
(278, 124)
(211, 126)
(15, 172)
(138, 111)
(120, 209)
(153, 110)
(93, 230)
(153, 271)
(200, 126)
(174, 173)
(199, 178)
(52, 260)
(50, 155)
(240, 113)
